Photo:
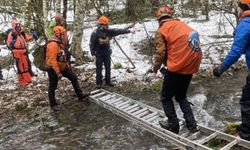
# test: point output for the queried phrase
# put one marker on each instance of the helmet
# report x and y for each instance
(58, 30)
(163, 11)
(59, 19)
(245, 2)
(103, 20)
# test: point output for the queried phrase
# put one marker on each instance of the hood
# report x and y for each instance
(14, 24)
(245, 14)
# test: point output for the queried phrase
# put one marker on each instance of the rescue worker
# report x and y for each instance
(178, 49)
(60, 21)
(17, 42)
(241, 45)
(101, 51)
(55, 57)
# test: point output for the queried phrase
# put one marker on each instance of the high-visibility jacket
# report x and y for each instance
(55, 55)
(177, 47)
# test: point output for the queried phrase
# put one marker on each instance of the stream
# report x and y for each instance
(81, 126)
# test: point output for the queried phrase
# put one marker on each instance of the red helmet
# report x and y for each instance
(103, 20)
(58, 30)
(245, 2)
(163, 11)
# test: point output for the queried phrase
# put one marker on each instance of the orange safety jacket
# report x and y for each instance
(173, 48)
(54, 49)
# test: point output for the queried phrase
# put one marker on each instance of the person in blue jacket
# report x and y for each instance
(241, 45)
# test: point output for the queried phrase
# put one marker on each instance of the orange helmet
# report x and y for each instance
(245, 2)
(163, 11)
(103, 20)
(58, 30)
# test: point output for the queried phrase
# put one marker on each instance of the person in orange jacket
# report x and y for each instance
(56, 58)
(17, 42)
(177, 47)
(60, 21)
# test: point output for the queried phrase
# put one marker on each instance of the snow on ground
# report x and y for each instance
(142, 62)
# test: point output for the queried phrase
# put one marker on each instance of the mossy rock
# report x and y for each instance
(157, 85)
(231, 128)
(214, 143)
(22, 105)
(117, 66)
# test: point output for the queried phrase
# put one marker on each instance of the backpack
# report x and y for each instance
(4, 36)
(39, 55)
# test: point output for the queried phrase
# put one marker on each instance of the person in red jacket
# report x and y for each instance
(178, 49)
(17, 42)
(56, 59)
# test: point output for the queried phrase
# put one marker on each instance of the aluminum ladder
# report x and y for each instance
(148, 117)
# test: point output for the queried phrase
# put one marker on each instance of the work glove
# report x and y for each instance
(219, 70)
(12, 43)
(35, 35)
(59, 76)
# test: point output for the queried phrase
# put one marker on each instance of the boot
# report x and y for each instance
(110, 84)
(170, 127)
(55, 108)
(98, 86)
(1, 75)
(83, 97)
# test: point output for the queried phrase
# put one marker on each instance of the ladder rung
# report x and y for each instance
(122, 104)
(106, 97)
(156, 117)
(206, 139)
(133, 110)
(140, 111)
(142, 114)
(229, 145)
(131, 107)
(111, 100)
(125, 106)
(117, 101)
(94, 92)
(194, 136)
(99, 94)
(150, 115)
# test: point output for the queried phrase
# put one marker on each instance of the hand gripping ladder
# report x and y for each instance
(149, 117)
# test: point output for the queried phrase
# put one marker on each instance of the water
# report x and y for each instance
(78, 126)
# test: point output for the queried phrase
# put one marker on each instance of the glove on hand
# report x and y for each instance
(59, 76)
(35, 35)
(219, 70)
(12, 43)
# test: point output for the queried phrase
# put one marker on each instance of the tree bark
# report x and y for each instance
(130, 9)
(28, 14)
(45, 17)
(58, 6)
(77, 50)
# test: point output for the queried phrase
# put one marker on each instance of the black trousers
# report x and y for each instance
(1, 75)
(176, 85)
(245, 111)
(53, 81)
(100, 60)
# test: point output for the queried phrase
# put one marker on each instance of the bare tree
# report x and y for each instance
(45, 17)
(76, 49)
